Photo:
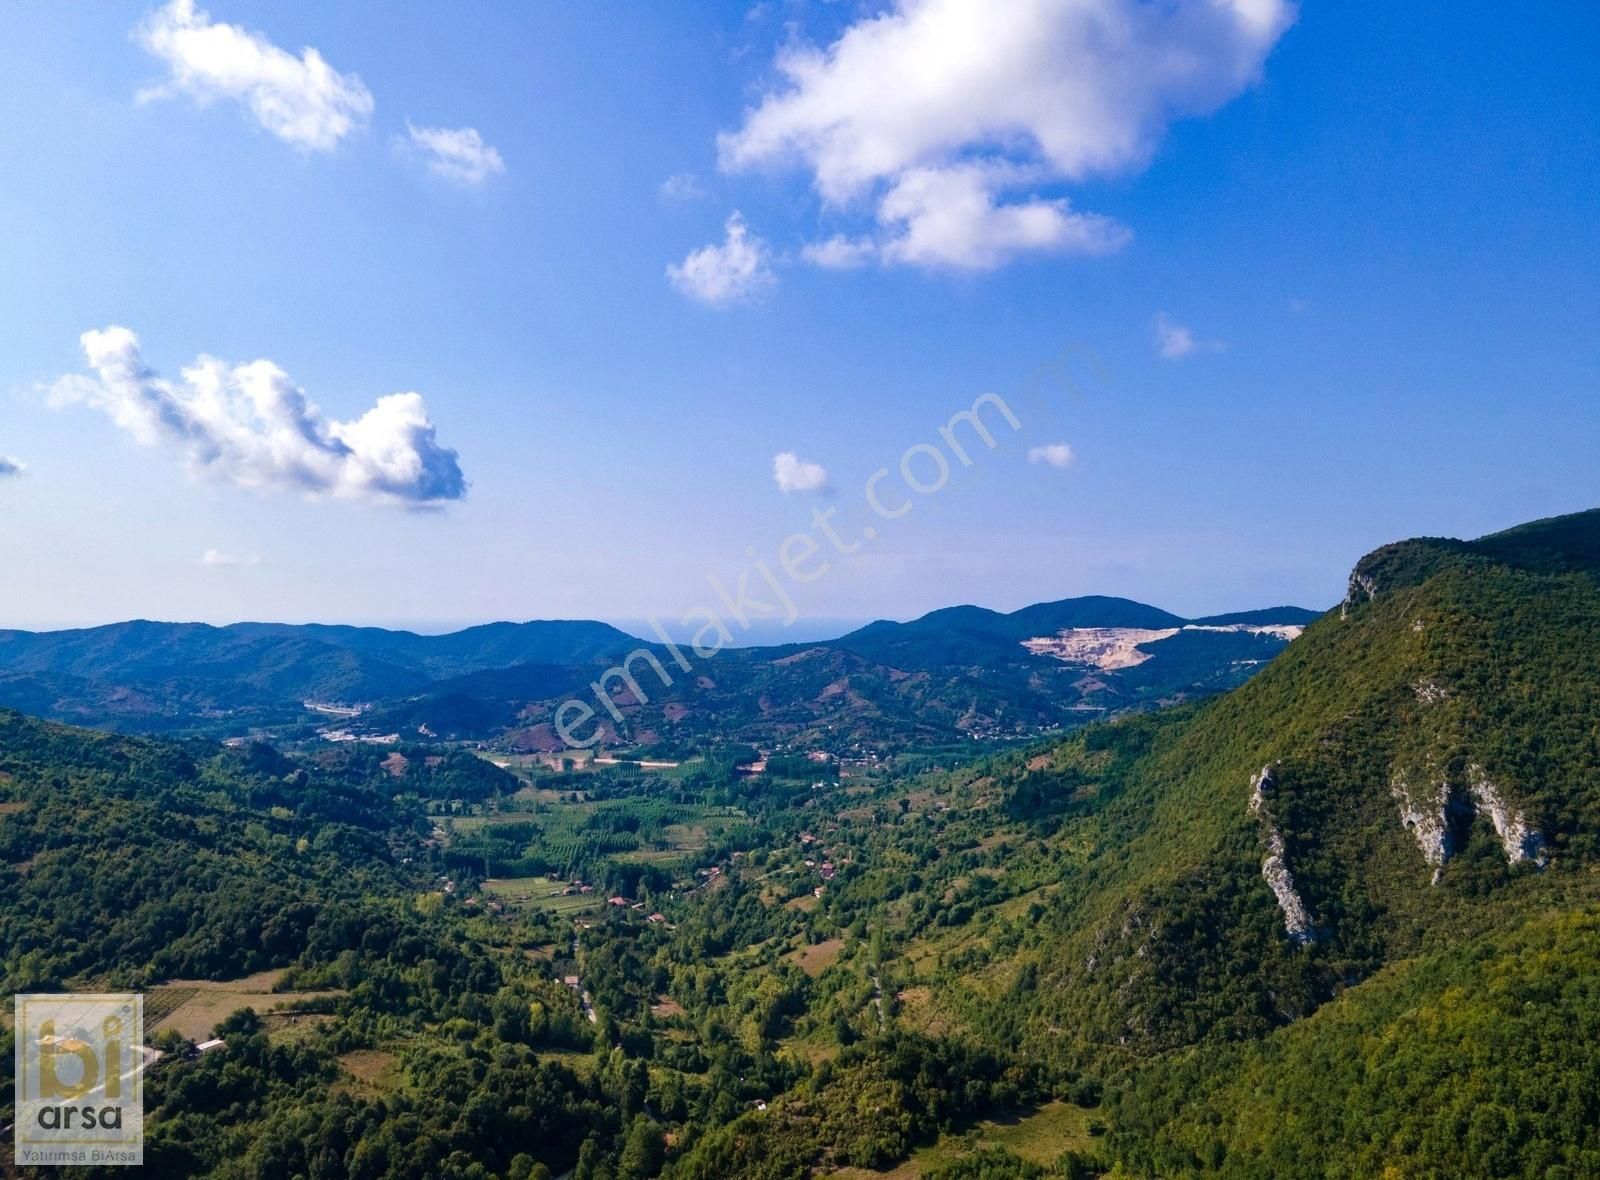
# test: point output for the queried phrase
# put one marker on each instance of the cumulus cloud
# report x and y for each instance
(948, 116)
(10, 467)
(719, 275)
(459, 154)
(950, 217)
(249, 425)
(302, 100)
(1175, 340)
(1058, 455)
(795, 474)
(217, 559)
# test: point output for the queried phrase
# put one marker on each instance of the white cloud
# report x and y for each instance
(11, 467)
(457, 154)
(1175, 340)
(949, 217)
(719, 275)
(685, 186)
(217, 559)
(302, 100)
(249, 425)
(795, 474)
(840, 252)
(1057, 455)
(949, 115)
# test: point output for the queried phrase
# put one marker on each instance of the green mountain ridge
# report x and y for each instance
(961, 634)
(1418, 771)
(957, 671)
(1457, 675)
(1229, 919)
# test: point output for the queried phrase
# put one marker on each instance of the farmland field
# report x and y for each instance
(539, 831)
(1040, 1137)
(194, 1006)
(816, 959)
(537, 891)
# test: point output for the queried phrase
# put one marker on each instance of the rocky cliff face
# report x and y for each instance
(1434, 815)
(1428, 819)
(1363, 588)
(1521, 842)
(1274, 869)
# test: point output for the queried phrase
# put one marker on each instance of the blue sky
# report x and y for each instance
(1376, 223)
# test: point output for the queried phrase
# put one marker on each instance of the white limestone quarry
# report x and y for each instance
(1296, 918)
(1106, 648)
(1520, 841)
(1110, 648)
(1283, 631)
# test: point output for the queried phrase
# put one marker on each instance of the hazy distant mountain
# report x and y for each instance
(960, 671)
(148, 676)
(972, 634)
(492, 645)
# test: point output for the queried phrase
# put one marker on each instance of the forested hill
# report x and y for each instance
(1343, 921)
(124, 860)
(1395, 826)
(973, 635)
(951, 675)
(1418, 755)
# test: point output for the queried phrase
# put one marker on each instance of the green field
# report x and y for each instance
(538, 831)
(1040, 1137)
(536, 892)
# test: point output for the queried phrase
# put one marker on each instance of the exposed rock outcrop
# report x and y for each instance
(1274, 869)
(1434, 819)
(1430, 692)
(1363, 588)
(1521, 842)
(1429, 821)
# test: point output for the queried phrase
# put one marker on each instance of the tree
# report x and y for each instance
(643, 1152)
(589, 1161)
